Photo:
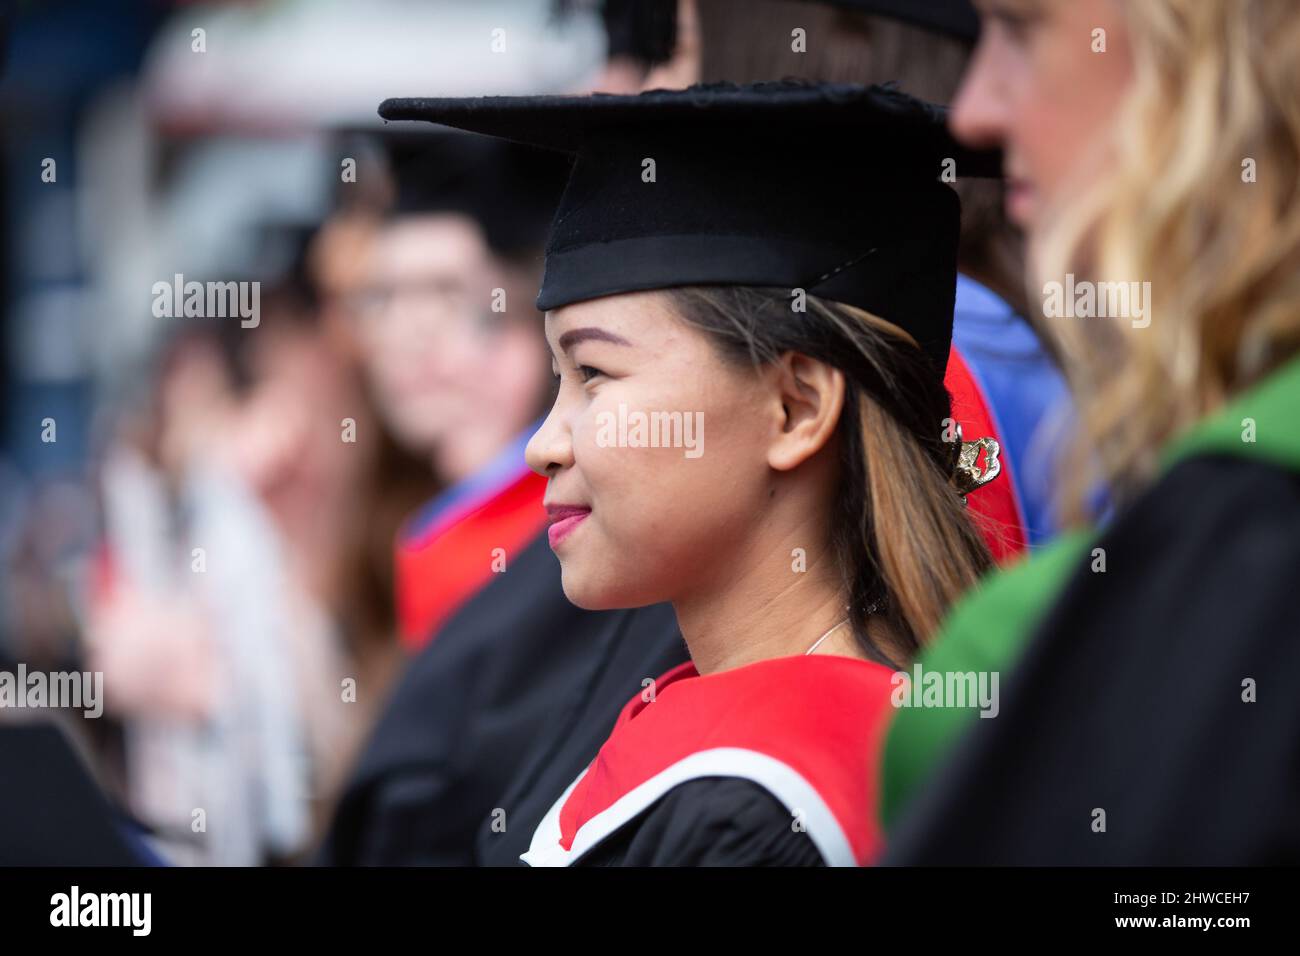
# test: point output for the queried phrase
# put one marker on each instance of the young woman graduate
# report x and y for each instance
(1151, 715)
(772, 268)
(1003, 384)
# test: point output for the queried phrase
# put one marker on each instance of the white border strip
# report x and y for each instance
(778, 778)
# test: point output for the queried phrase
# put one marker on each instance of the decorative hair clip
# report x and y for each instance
(968, 475)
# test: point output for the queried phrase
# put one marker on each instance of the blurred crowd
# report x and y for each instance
(263, 353)
(203, 509)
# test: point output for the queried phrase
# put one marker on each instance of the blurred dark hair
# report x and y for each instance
(641, 30)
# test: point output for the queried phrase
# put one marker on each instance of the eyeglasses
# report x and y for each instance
(446, 306)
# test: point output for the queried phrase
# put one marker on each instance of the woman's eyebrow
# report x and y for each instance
(574, 336)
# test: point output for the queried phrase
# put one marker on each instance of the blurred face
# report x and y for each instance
(1040, 87)
(277, 445)
(423, 319)
(633, 523)
(518, 360)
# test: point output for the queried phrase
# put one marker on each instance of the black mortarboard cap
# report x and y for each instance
(830, 188)
(509, 189)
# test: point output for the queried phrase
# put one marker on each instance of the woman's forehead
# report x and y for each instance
(616, 314)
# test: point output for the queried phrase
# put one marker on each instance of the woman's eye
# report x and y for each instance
(1015, 25)
(585, 374)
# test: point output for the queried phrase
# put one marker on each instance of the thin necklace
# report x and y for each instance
(819, 640)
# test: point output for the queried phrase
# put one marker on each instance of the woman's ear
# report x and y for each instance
(811, 398)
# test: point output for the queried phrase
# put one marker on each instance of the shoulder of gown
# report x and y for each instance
(1167, 684)
(712, 821)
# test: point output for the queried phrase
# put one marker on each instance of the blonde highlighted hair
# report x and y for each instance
(1215, 95)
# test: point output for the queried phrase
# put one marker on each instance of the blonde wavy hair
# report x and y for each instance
(1216, 83)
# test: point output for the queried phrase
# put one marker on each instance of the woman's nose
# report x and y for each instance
(978, 115)
(551, 447)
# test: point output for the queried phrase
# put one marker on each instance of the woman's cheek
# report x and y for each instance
(635, 492)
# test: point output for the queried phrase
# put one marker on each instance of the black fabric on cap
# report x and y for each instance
(829, 188)
(510, 190)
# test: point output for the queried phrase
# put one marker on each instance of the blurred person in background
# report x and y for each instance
(282, 633)
(1149, 717)
(401, 478)
(189, 625)
(314, 447)
(441, 316)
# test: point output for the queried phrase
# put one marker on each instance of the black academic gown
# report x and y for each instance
(53, 813)
(638, 644)
(768, 764)
(715, 821)
(1129, 697)
(500, 679)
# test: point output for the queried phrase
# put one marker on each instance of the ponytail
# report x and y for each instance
(914, 540)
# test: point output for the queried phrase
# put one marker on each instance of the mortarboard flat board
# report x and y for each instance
(51, 812)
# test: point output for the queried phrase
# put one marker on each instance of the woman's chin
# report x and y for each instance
(592, 594)
(584, 596)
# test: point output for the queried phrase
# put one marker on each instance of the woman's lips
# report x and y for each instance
(564, 518)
